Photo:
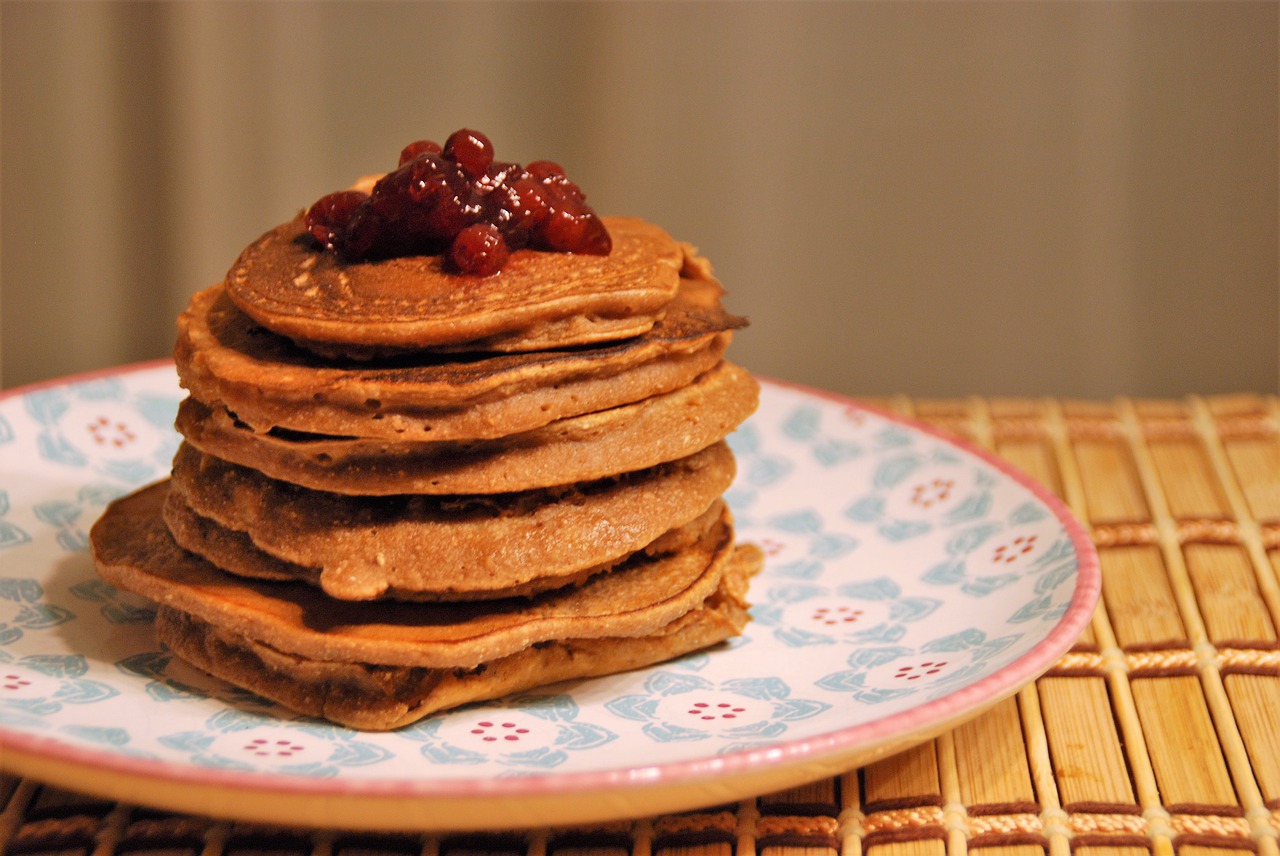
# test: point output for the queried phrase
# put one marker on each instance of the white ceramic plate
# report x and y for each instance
(911, 583)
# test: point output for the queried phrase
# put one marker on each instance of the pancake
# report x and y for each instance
(133, 550)
(410, 546)
(235, 552)
(378, 698)
(630, 437)
(540, 300)
(224, 358)
(403, 487)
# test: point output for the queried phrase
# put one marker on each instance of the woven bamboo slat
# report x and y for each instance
(1251, 459)
(1227, 592)
(1158, 733)
(991, 759)
(1111, 486)
(1088, 758)
(1182, 742)
(1255, 699)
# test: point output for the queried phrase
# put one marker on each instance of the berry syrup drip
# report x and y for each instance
(458, 201)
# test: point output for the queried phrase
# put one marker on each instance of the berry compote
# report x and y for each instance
(457, 201)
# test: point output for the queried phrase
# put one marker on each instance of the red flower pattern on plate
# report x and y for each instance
(922, 670)
(1010, 552)
(490, 731)
(771, 546)
(832, 616)
(261, 747)
(111, 433)
(710, 711)
(930, 493)
(13, 683)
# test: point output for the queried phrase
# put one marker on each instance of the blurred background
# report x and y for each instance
(1058, 198)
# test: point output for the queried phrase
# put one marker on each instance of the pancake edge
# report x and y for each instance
(378, 698)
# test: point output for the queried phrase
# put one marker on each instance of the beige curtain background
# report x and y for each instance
(1066, 198)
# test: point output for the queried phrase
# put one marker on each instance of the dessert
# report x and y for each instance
(412, 303)
(269, 383)
(414, 546)
(380, 665)
(662, 427)
(449, 435)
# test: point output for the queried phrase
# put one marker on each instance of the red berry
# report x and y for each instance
(421, 147)
(458, 198)
(594, 238)
(530, 206)
(545, 169)
(471, 150)
(327, 219)
(479, 249)
(499, 174)
(428, 180)
(562, 231)
(361, 235)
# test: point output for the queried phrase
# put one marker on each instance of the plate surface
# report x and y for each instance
(911, 583)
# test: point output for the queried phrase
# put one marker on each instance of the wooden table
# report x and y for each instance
(1159, 731)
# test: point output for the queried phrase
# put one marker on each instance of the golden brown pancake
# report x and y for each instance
(224, 358)
(134, 551)
(378, 698)
(234, 552)
(540, 300)
(579, 448)
(410, 546)
(228, 549)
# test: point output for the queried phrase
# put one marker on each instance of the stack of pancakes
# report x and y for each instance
(401, 490)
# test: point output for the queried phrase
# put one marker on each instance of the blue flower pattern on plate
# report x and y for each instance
(523, 733)
(45, 684)
(861, 613)
(746, 712)
(23, 608)
(900, 569)
(105, 426)
(237, 740)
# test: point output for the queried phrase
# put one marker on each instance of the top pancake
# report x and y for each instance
(224, 357)
(539, 300)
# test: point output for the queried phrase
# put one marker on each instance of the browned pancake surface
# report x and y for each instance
(223, 357)
(399, 546)
(374, 697)
(235, 552)
(579, 448)
(540, 299)
(133, 550)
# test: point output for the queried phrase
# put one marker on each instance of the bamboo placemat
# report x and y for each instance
(1159, 732)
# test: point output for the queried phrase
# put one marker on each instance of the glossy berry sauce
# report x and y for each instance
(457, 201)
